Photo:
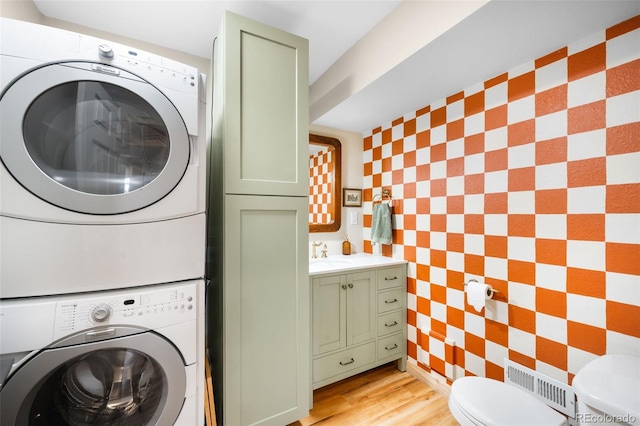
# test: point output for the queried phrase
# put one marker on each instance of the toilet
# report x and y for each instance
(607, 390)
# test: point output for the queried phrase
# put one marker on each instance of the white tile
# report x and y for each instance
(577, 358)
(522, 342)
(423, 222)
(411, 333)
(623, 48)
(474, 124)
(521, 69)
(586, 43)
(521, 248)
(586, 90)
(474, 364)
(522, 295)
(423, 122)
(455, 223)
(367, 156)
(409, 175)
(387, 178)
(623, 288)
(551, 277)
(521, 156)
(386, 150)
(552, 226)
(439, 311)
(472, 90)
(474, 204)
(438, 205)
(495, 182)
(551, 126)
(409, 238)
(423, 323)
(622, 228)
(495, 96)
(521, 202)
(438, 240)
(496, 139)
(618, 343)
(436, 347)
(438, 276)
(376, 166)
(409, 143)
(495, 268)
(586, 310)
(551, 75)
(455, 261)
(397, 132)
(474, 164)
(423, 156)
(376, 140)
(438, 135)
(423, 289)
(623, 168)
(551, 371)
(589, 199)
(586, 254)
(495, 224)
(497, 311)
(551, 176)
(585, 145)
(455, 110)
(438, 170)
(623, 109)
(455, 334)
(455, 298)
(423, 189)
(474, 324)
(397, 162)
(521, 109)
(455, 148)
(455, 185)
(551, 328)
(412, 302)
(474, 244)
(495, 353)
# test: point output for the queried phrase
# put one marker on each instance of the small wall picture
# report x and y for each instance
(352, 197)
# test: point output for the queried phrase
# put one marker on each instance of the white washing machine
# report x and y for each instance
(103, 164)
(127, 357)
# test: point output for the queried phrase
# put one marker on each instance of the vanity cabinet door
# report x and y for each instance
(329, 314)
(361, 307)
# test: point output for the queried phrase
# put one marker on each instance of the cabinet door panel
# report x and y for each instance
(361, 307)
(329, 314)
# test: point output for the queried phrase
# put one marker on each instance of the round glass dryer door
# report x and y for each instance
(118, 382)
(90, 141)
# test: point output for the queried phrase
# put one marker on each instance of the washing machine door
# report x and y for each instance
(133, 380)
(92, 138)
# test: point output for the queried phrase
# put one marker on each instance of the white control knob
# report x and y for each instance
(105, 50)
(101, 313)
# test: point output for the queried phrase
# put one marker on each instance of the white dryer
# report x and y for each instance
(129, 357)
(103, 164)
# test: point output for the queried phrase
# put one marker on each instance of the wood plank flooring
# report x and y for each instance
(382, 396)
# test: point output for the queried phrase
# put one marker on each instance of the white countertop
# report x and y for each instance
(341, 263)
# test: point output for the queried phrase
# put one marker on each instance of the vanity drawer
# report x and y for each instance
(390, 346)
(390, 300)
(390, 277)
(390, 323)
(343, 361)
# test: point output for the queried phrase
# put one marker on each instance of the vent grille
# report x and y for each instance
(555, 394)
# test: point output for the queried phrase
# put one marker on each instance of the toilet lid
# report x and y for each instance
(492, 402)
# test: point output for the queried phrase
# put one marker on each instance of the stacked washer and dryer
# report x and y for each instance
(102, 232)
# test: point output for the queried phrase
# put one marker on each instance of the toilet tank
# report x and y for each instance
(608, 391)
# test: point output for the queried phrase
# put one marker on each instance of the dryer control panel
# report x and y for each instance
(151, 307)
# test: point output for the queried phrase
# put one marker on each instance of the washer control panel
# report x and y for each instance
(151, 307)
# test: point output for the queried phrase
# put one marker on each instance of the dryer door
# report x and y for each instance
(92, 138)
(134, 380)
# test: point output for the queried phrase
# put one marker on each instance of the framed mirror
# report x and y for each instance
(325, 186)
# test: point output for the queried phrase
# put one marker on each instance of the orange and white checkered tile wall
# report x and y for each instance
(530, 182)
(320, 172)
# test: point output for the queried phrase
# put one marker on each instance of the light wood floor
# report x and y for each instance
(382, 396)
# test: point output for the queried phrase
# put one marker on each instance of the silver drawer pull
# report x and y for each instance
(348, 362)
(392, 325)
(395, 346)
(391, 301)
(390, 278)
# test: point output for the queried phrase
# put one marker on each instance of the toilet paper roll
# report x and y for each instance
(477, 294)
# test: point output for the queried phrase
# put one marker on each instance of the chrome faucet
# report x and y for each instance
(313, 249)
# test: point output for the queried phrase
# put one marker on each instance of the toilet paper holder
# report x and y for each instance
(491, 289)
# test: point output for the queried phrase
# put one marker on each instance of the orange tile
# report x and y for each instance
(495, 246)
(551, 201)
(449, 356)
(522, 319)
(410, 253)
(386, 135)
(551, 151)
(521, 86)
(623, 318)
(438, 223)
(438, 187)
(623, 79)
(521, 133)
(522, 359)
(409, 159)
(368, 169)
(623, 27)
(455, 97)
(367, 143)
(438, 258)
(455, 167)
(551, 352)
(551, 252)
(474, 344)
(523, 179)
(411, 286)
(623, 198)
(474, 104)
(423, 173)
(474, 184)
(552, 100)
(438, 152)
(377, 130)
(455, 317)
(438, 327)
(496, 203)
(423, 139)
(397, 147)
(496, 332)
(495, 117)
(589, 172)
(496, 80)
(412, 350)
(409, 221)
(474, 144)
(387, 249)
(397, 121)
(551, 57)
(586, 337)
(585, 118)
(455, 280)
(397, 177)
(423, 205)
(455, 130)
(410, 127)
(551, 302)
(521, 225)
(377, 153)
(438, 293)
(438, 117)
(458, 356)
(585, 227)
(423, 111)
(623, 139)
(423, 272)
(521, 272)
(587, 62)
(366, 220)
(409, 190)
(623, 258)
(586, 282)
(474, 224)
(474, 264)
(493, 371)
(496, 160)
(455, 204)
(436, 364)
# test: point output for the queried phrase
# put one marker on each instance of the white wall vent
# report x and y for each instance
(555, 394)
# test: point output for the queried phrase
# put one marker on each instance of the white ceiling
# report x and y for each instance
(499, 36)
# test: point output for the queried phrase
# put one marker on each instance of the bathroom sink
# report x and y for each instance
(329, 263)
